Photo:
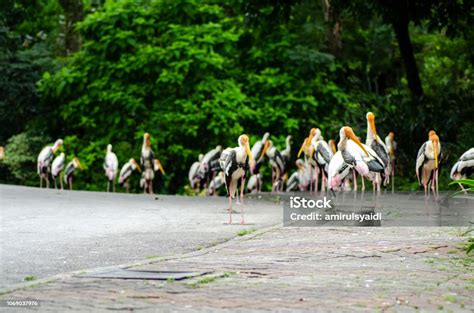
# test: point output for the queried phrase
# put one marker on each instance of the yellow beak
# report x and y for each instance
(372, 126)
(249, 153)
(265, 148)
(357, 141)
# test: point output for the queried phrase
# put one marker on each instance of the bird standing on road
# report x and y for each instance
(44, 161)
(392, 153)
(374, 142)
(111, 167)
(320, 156)
(209, 166)
(147, 160)
(259, 150)
(427, 164)
(56, 169)
(126, 171)
(234, 162)
(464, 167)
(69, 171)
(193, 176)
(277, 163)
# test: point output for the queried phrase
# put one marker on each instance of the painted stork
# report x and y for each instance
(147, 160)
(427, 164)
(299, 180)
(57, 167)
(374, 141)
(126, 171)
(255, 181)
(320, 156)
(259, 150)
(234, 162)
(216, 183)
(305, 147)
(464, 167)
(44, 161)
(277, 163)
(209, 166)
(193, 173)
(352, 154)
(69, 171)
(111, 167)
(392, 153)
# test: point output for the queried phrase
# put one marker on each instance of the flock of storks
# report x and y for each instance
(337, 165)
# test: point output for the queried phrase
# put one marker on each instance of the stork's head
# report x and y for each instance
(200, 157)
(371, 121)
(435, 141)
(300, 164)
(219, 147)
(76, 163)
(146, 139)
(431, 133)
(135, 165)
(62, 155)
(109, 148)
(347, 132)
(57, 145)
(244, 142)
(391, 135)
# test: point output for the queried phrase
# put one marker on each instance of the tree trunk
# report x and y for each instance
(73, 13)
(406, 50)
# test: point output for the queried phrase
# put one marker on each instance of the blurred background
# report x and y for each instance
(195, 74)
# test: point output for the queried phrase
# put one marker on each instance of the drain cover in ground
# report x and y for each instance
(144, 275)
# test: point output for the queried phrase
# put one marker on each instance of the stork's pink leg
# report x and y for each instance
(317, 182)
(230, 210)
(242, 186)
(355, 180)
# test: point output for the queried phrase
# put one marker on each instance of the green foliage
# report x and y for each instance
(184, 74)
(21, 154)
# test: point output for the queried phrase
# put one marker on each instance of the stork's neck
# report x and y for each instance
(342, 143)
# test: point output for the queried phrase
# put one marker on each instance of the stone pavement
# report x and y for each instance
(349, 269)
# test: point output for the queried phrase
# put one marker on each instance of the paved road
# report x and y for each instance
(47, 232)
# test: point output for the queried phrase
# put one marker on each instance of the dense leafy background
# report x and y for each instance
(196, 74)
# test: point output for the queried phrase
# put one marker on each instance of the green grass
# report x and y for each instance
(246, 232)
(209, 279)
(29, 278)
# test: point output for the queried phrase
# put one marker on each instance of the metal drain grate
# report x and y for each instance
(143, 275)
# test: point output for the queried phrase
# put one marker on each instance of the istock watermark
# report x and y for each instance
(371, 209)
(20, 303)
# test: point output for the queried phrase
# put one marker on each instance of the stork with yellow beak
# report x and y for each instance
(147, 160)
(352, 154)
(374, 141)
(259, 149)
(392, 153)
(314, 134)
(44, 161)
(234, 162)
(69, 171)
(321, 154)
(427, 164)
(126, 171)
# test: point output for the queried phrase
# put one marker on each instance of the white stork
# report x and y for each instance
(57, 167)
(299, 180)
(126, 171)
(427, 162)
(277, 163)
(69, 171)
(193, 173)
(216, 183)
(209, 166)
(352, 154)
(44, 161)
(374, 141)
(392, 153)
(234, 162)
(111, 167)
(147, 160)
(464, 167)
(320, 155)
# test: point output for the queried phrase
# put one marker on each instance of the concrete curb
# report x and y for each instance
(67, 275)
